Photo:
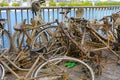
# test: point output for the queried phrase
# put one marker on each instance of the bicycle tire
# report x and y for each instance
(45, 68)
(17, 39)
(5, 41)
(2, 72)
(43, 36)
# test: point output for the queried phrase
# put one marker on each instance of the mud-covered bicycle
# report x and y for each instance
(5, 38)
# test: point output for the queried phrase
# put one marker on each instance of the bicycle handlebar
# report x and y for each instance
(49, 23)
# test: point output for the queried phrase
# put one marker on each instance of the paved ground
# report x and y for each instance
(111, 71)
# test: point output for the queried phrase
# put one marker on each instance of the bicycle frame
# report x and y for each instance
(30, 37)
(4, 34)
(11, 62)
(29, 71)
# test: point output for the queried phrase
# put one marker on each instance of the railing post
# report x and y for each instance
(97, 12)
(9, 22)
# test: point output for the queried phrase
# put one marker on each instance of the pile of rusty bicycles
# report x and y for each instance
(69, 50)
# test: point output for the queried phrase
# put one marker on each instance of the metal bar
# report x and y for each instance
(14, 65)
(93, 11)
(10, 69)
(86, 12)
(21, 14)
(9, 21)
(0, 14)
(27, 16)
(48, 15)
(71, 13)
(89, 13)
(74, 11)
(57, 14)
(15, 16)
(43, 14)
(98, 49)
(53, 18)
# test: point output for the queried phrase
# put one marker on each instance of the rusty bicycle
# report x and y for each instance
(5, 38)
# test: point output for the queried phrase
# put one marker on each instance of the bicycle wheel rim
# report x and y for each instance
(43, 37)
(5, 41)
(2, 72)
(65, 58)
(17, 39)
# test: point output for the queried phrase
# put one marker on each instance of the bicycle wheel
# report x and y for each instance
(2, 72)
(5, 41)
(67, 69)
(43, 37)
(19, 41)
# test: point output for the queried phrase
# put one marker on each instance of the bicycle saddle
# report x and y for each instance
(20, 26)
